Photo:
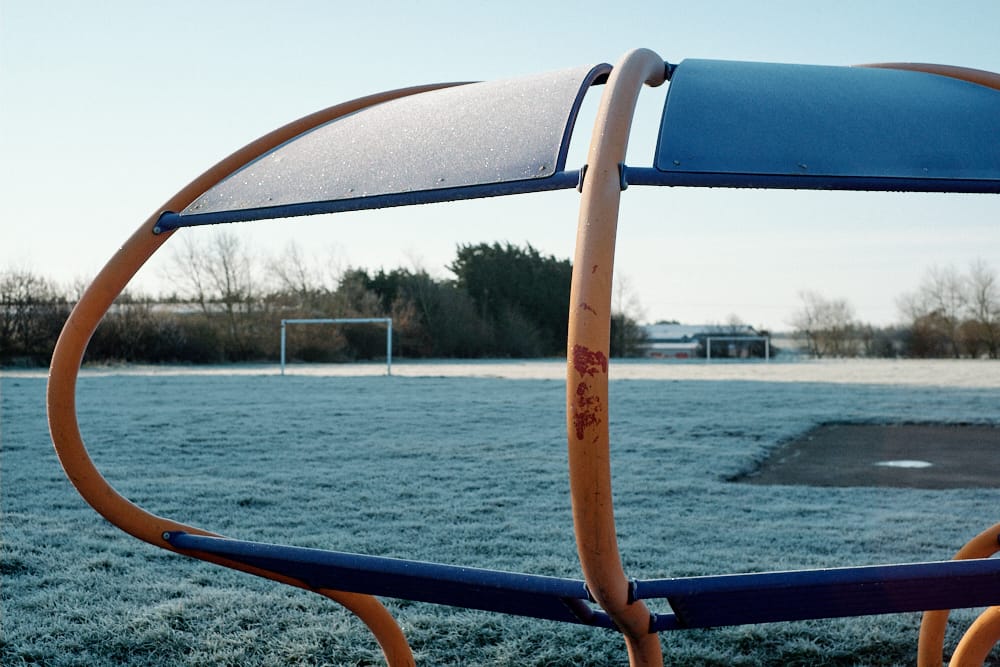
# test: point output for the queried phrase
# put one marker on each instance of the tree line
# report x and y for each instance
(501, 300)
(951, 314)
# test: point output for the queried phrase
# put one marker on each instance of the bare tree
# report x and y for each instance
(734, 325)
(188, 273)
(624, 299)
(945, 296)
(303, 282)
(32, 312)
(828, 325)
(628, 338)
(951, 313)
(292, 271)
(983, 309)
(219, 276)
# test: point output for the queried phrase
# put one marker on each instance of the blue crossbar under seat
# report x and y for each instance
(537, 596)
(702, 602)
(695, 602)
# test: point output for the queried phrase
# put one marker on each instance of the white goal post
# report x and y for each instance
(709, 339)
(343, 320)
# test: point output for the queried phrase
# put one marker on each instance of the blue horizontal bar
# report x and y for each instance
(701, 602)
(652, 176)
(696, 602)
(570, 179)
(550, 598)
(563, 180)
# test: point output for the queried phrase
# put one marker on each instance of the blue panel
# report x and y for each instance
(482, 134)
(825, 123)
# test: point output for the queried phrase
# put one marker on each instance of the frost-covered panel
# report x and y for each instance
(470, 135)
(724, 117)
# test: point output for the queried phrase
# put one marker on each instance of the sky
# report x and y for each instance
(107, 108)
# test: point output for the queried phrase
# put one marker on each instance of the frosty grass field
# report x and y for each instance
(456, 463)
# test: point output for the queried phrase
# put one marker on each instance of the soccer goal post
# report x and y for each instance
(342, 320)
(744, 339)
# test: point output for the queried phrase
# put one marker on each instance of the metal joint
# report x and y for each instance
(668, 70)
(622, 180)
(633, 587)
(583, 175)
(158, 228)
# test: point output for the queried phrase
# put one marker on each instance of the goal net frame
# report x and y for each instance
(342, 320)
(766, 339)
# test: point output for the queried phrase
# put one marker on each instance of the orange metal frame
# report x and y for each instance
(83, 321)
(981, 635)
(586, 379)
(982, 77)
(588, 349)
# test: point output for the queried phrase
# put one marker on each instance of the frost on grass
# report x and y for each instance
(436, 465)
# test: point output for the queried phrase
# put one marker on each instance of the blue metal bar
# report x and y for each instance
(652, 176)
(701, 602)
(570, 179)
(563, 180)
(598, 75)
(696, 602)
(536, 596)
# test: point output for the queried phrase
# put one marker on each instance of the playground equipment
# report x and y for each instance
(725, 124)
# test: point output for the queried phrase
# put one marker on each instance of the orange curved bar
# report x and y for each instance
(83, 321)
(930, 645)
(979, 640)
(982, 77)
(587, 352)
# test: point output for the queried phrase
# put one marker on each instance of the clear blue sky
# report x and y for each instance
(109, 107)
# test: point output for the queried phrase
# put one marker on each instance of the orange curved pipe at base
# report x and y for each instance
(978, 640)
(83, 321)
(930, 644)
(587, 358)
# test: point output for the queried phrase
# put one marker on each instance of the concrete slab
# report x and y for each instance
(924, 456)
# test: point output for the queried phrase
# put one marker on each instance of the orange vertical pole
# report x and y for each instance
(588, 348)
(80, 326)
